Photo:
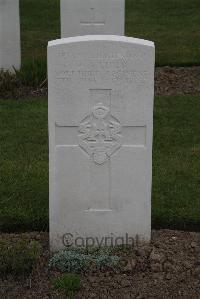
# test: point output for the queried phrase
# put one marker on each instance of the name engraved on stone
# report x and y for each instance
(125, 76)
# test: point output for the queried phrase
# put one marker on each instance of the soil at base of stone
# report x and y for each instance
(168, 81)
(169, 267)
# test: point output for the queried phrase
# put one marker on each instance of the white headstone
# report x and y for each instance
(101, 91)
(10, 51)
(83, 17)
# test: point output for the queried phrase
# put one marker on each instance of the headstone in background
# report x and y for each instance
(101, 91)
(10, 50)
(83, 17)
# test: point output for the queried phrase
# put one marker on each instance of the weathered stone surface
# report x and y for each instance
(10, 51)
(83, 17)
(100, 133)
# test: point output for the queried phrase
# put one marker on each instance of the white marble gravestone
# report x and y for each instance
(82, 17)
(10, 50)
(101, 91)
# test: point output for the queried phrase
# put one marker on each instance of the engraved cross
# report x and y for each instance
(101, 136)
(93, 20)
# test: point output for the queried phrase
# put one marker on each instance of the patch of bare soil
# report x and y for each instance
(168, 81)
(167, 268)
(177, 80)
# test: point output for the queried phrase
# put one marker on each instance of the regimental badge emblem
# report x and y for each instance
(100, 134)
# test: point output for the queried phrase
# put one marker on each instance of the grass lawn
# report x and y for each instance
(24, 164)
(174, 25)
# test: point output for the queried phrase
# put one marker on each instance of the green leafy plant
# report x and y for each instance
(18, 256)
(8, 83)
(78, 260)
(70, 261)
(33, 72)
(67, 283)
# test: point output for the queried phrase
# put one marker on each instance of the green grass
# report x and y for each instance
(176, 163)
(174, 25)
(24, 164)
(68, 284)
(40, 22)
(18, 256)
